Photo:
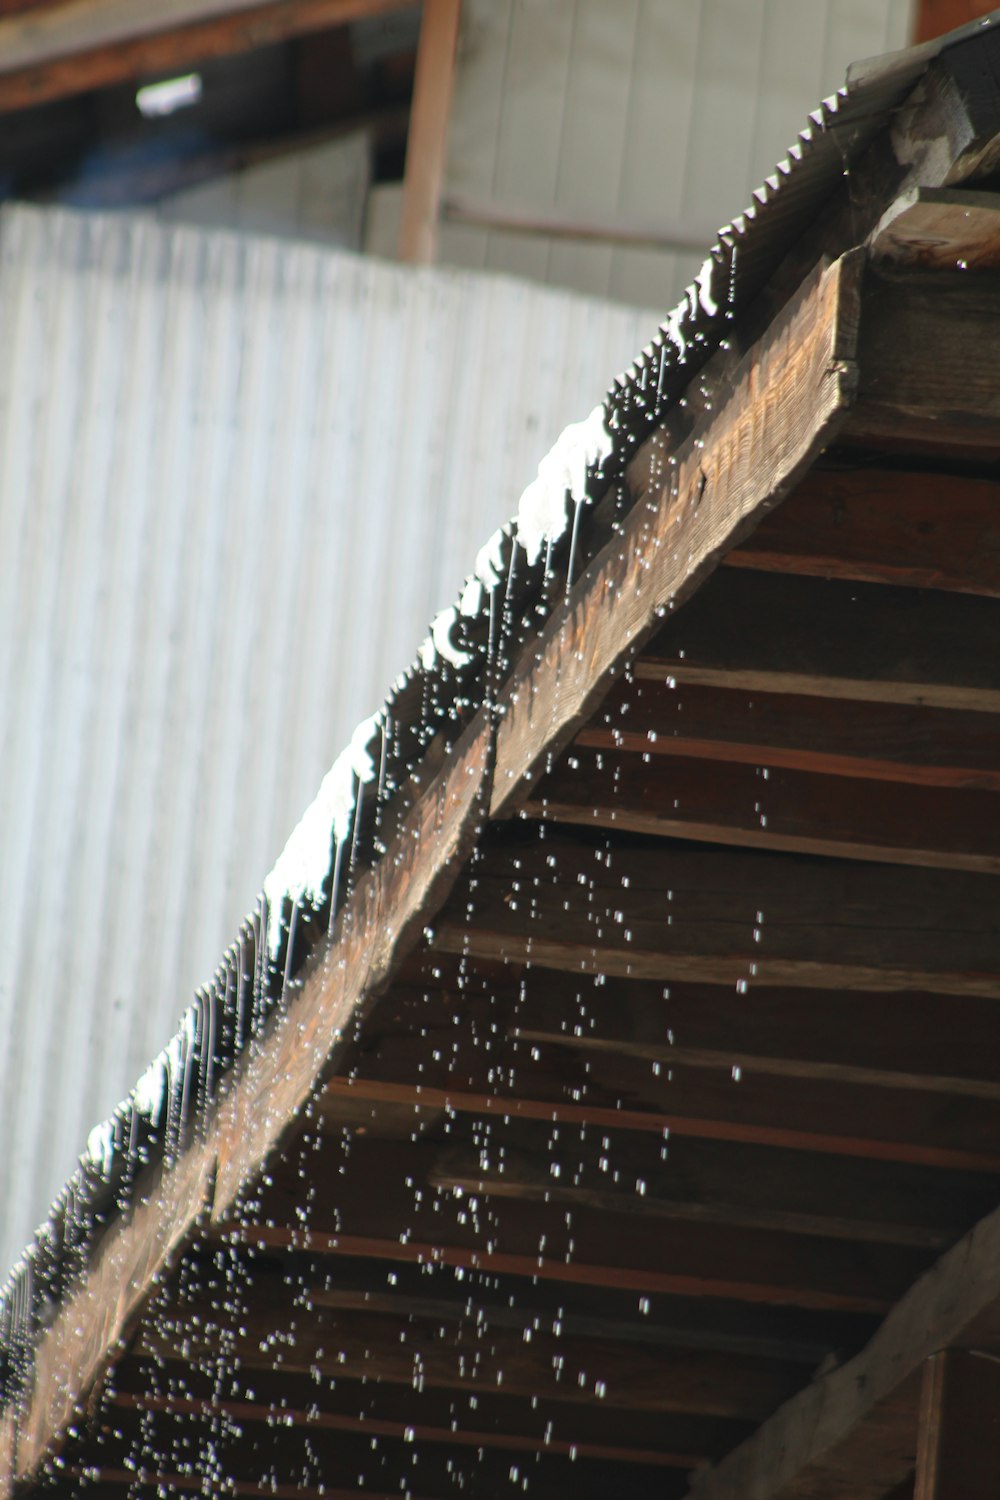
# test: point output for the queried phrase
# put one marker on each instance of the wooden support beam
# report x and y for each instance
(959, 1436)
(758, 1112)
(420, 1351)
(786, 403)
(512, 1423)
(656, 713)
(723, 916)
(428, 136)
(940, 229)
(738, 1186)
(316, 1419)
(90, 44)
(927, 355)
(854, 1431)
(920, 530)
(673, 1055)
(760, 805)
(811, 637)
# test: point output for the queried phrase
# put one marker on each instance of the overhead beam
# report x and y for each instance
(427, 142)
(420, 1350)
(366, 1100)
(928, 351)
(787, 400)
(90, 44)
(795, 808)
(959, 1436)
(940, 229)
(853, 1431)
(890, 526)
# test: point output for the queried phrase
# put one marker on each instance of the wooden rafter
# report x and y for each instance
(90, 44)
(854, 1431)
(428, 135)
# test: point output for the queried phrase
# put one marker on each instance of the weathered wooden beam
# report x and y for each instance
(420, 1351)
(756, 804)
(922, 530)
(582, 957)
(940, 229)
(788, 399)
(660, 714)
(723, 916)
(686, 1190)
(317, 1419)
(89, 44)
(832, 639)
(854, 1430)
(671, 1054)
(938, 1045)
(757, 1112)
(959, 1432)
(927, 356)
(508, 1419)
(383, 918)
(427, 141)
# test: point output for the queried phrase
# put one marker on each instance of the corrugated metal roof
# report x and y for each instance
(198, 509)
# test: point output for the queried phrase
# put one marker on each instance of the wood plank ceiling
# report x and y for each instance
(692, 1077)
(694, 1073)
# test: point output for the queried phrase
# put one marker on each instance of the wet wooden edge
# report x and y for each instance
(383, 919)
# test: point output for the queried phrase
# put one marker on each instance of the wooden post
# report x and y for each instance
(958, 1444)
(428, 137)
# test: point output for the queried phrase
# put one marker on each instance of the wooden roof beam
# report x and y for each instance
(854, 1430)
(90, 44)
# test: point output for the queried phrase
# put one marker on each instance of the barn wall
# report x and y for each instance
(237, 478)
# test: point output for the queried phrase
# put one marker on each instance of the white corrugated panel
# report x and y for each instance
(317, 192)
(654, 115)
(237, 478)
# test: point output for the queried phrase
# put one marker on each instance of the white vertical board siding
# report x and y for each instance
(655, 114)
(318, 192)
(237, 478)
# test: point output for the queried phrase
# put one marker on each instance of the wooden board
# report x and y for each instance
(940, 229)
(71, 49)
(832, 639)
(959, 1426)
(759, 805)
(927, 353)
(855, 1430)
(924, 530)
(658, 913)
(785, 404)
(428, 134)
